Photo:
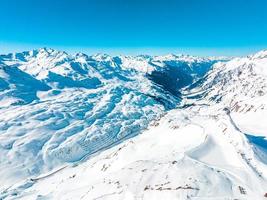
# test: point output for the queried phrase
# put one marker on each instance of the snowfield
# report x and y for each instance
(70, 127)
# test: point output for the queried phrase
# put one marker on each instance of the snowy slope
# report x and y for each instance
(203, 128)
(239, 85)
(58, 108)
(182, 156)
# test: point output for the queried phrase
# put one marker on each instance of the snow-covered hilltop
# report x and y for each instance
(67, 124)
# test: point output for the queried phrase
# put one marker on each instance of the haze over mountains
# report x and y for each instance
(132, 127)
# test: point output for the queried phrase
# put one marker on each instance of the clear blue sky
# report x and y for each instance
(135, 26)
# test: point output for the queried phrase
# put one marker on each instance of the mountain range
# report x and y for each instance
(132, 127)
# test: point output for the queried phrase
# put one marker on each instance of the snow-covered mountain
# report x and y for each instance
(59, 108)
(202, 122)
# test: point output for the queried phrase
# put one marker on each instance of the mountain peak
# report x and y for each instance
(49, 51)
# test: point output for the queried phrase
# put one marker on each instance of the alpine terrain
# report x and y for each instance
(132, 127)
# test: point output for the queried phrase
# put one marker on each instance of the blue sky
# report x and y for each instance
(215, 27)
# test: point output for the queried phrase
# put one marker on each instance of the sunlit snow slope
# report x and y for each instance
(203, 125)
(58, 109)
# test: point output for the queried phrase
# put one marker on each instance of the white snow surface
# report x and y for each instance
(58, 108)
(74, 141)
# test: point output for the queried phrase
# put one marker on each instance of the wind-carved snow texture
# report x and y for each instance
(58, 108)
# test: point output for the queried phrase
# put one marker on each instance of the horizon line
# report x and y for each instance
(135, 51)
